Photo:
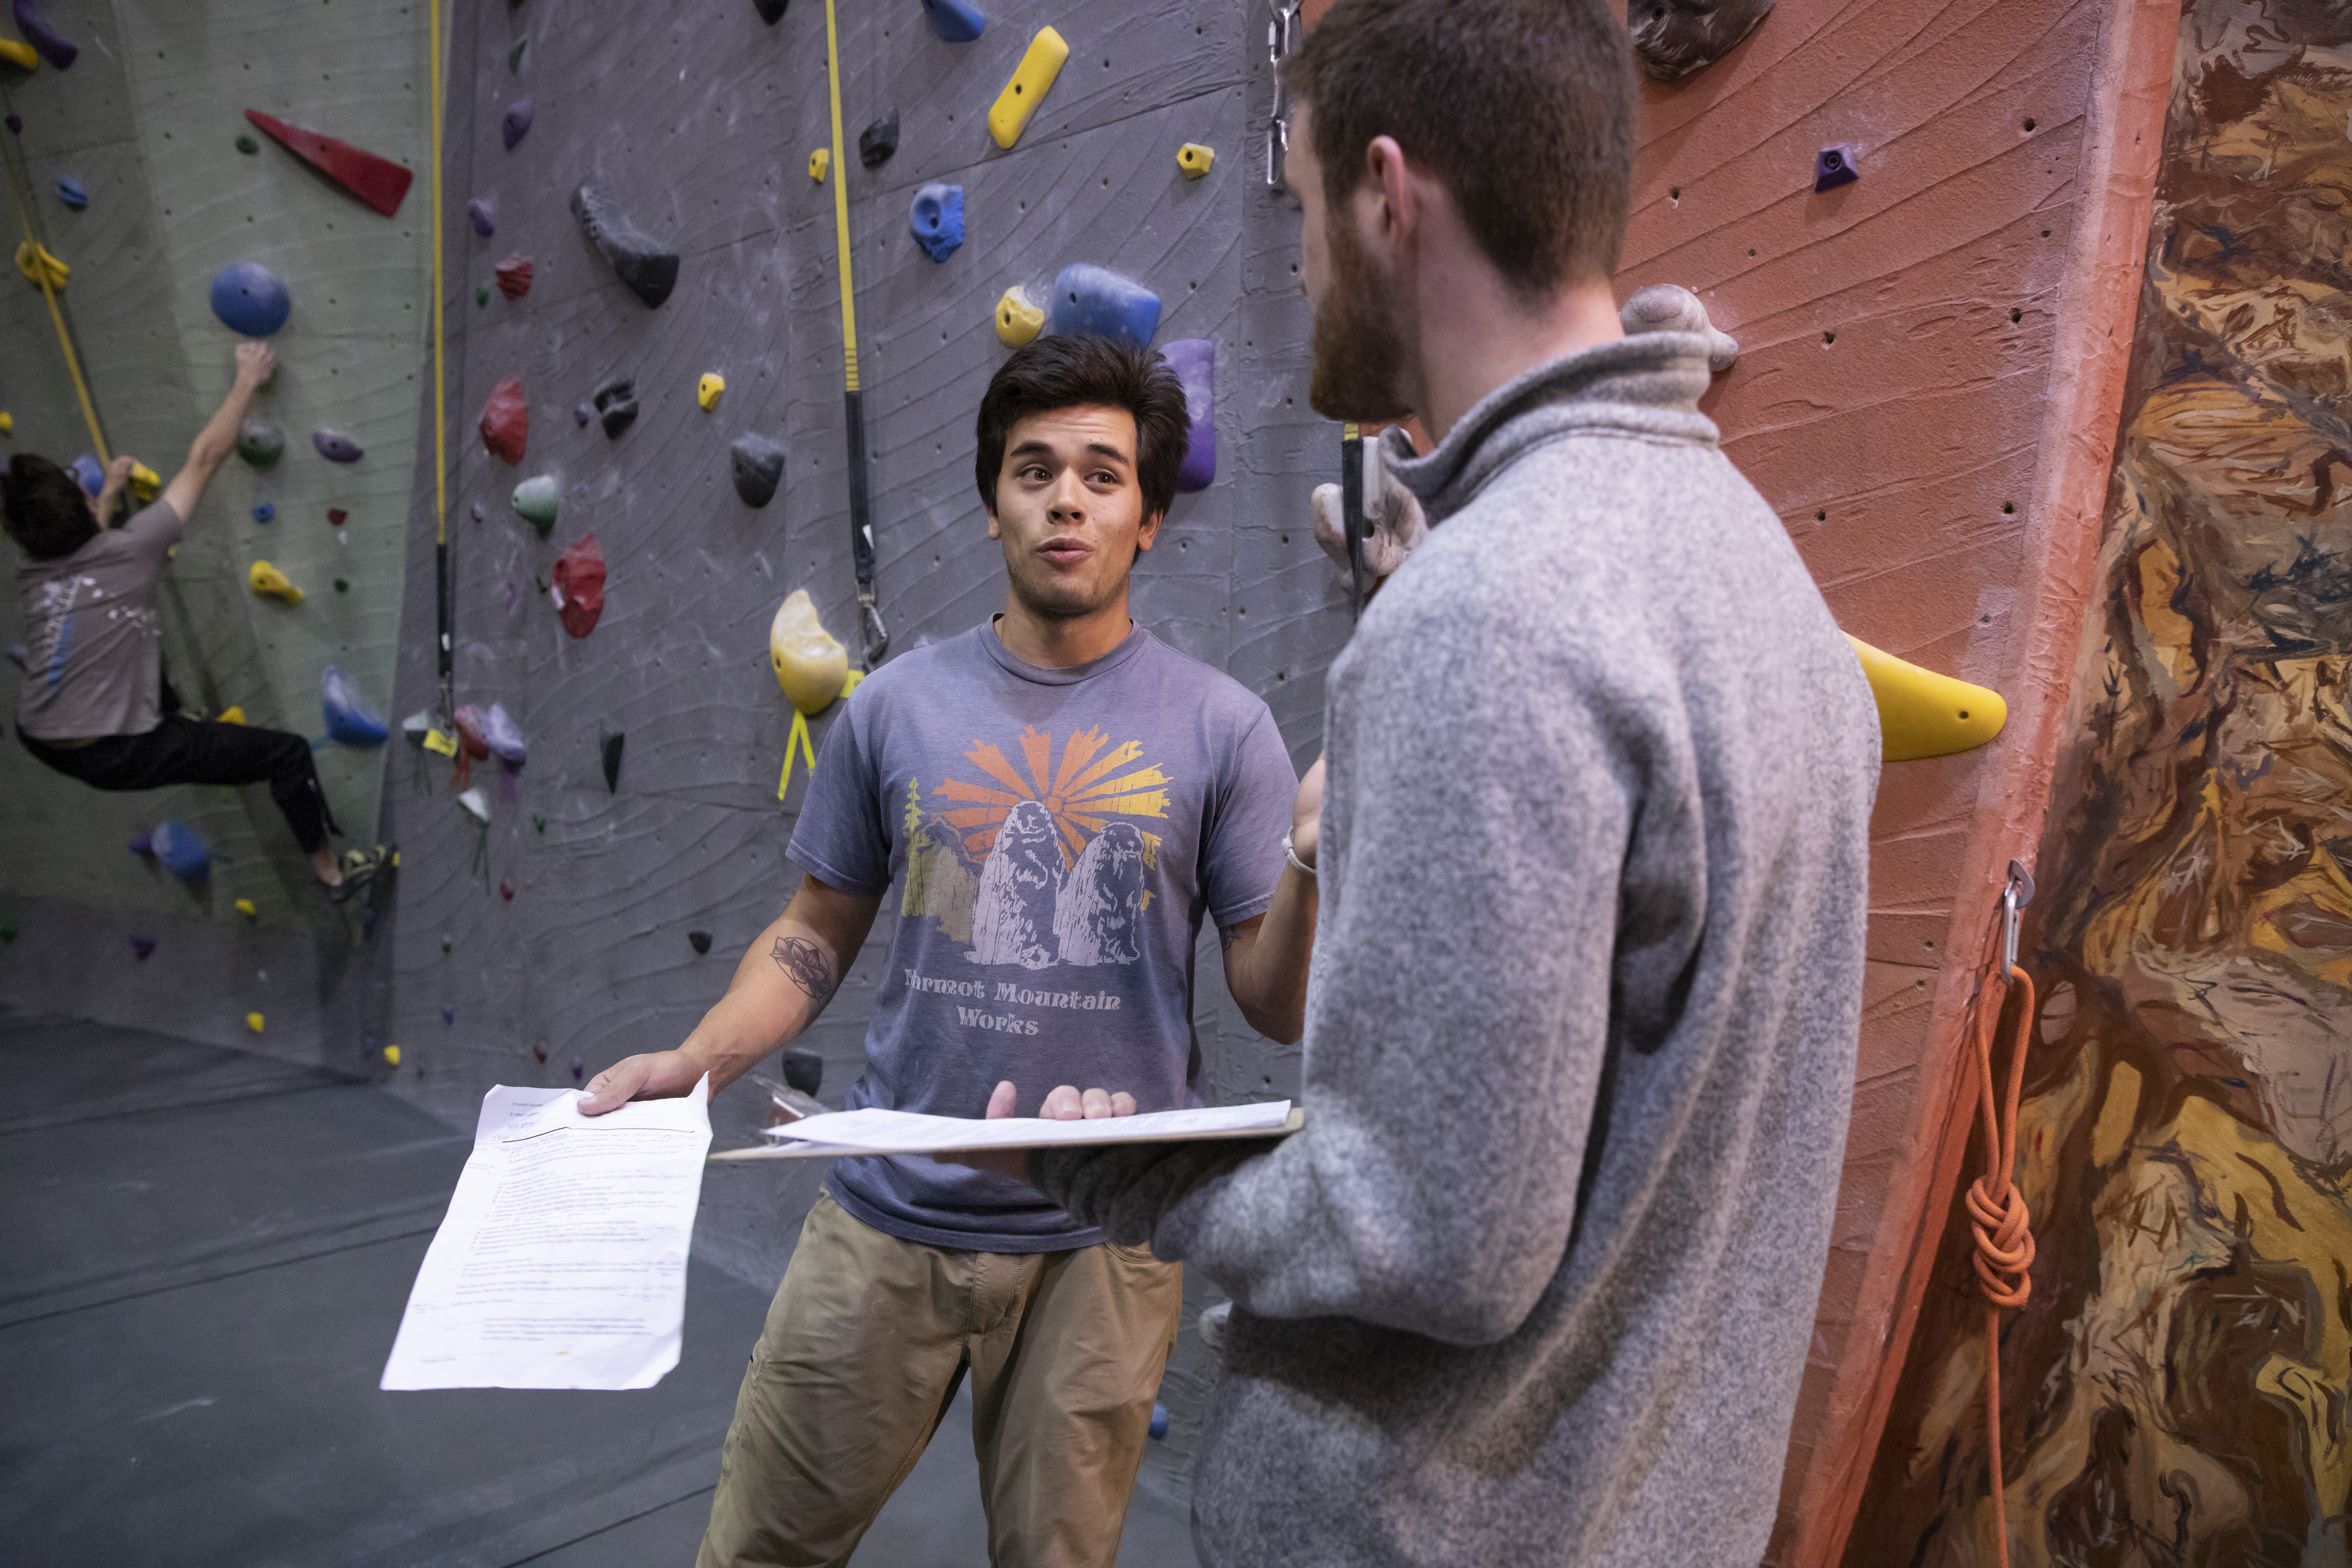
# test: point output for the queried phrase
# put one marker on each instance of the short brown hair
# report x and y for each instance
(46, 509)
(1069, 370)
(1522, 109)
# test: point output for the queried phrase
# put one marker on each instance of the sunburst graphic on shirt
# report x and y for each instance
(1082, 792)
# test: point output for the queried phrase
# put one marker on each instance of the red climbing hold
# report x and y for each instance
(378, 181)
(514, 275)
(505, 889)
(506, 420)
(578, 590)
(338, 516)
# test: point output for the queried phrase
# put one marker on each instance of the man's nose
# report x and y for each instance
(1069, 500)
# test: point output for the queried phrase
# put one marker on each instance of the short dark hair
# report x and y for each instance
(1522, 109)
(1070, 369)
(48, 514)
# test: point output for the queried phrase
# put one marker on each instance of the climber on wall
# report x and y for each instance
(1058, 797)
(96, 706)
(1536, 1282)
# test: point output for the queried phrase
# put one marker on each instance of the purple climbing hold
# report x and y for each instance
(72, 192)
(581, 414)
(143, 947)
(143, 843)
(449, 1017)
(482, 215)
(516, 124)
(579, 1069)
(476, 510)
(504, 736)
(1834, 166)
(507, 596)
(1194, 361)
(336, 446)
(16, 126)
(250, 299)
(55, 46)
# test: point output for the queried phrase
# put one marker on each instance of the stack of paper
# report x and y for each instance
(877, 1131)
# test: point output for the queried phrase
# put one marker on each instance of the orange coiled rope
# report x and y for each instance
(1996, 1212)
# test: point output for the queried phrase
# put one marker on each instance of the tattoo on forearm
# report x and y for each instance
(1229, 934)
(805, 964)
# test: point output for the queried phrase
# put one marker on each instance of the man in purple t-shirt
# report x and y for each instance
(1052, 802)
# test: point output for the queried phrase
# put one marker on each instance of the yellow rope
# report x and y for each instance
(34, 261)
(440, 406)
(841, 206)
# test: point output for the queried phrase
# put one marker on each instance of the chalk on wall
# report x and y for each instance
(1090, 298)
(954, 21)
(578, 590)
(879, 140)
(1194, 361)
(1028, 85)
(378, 182)
(935, 218)
(1672, 38)
(643, 266)
(250, 299)
(506, 421)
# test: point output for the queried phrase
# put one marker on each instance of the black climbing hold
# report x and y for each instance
(770, 11)
(1834, 166)
(342, 585)
(879, 140)
(514, 56)
(700, 940)
(617, 405)
(246, 144)
(649, 271)
(759, 465)
(804, 1069)
(144, 947)
(611, 744)
(1672, 39)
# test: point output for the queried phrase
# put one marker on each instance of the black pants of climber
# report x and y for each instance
(186, 750)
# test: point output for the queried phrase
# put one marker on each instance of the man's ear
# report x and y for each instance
(1148, 532)
(993, 530)
(1387, 201)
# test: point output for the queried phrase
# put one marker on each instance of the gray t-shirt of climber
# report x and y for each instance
(1054, 837)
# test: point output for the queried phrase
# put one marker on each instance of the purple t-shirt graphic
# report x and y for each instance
(1053, 839)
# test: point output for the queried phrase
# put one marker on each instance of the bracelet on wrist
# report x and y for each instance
(1291, 854)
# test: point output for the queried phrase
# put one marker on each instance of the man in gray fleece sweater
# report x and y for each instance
(1536, 1283)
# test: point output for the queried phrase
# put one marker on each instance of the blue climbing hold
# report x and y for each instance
(184, 854)
(1194, 361)
(348, 721)
(516, 123)
(1090, 298)
(264, 512)
(250, 299)
(87, 472)
(336, 446)
(954, 21)
(936, 218)
(1159, 1427)
(72, 192)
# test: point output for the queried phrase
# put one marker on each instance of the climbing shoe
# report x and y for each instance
(362, 867)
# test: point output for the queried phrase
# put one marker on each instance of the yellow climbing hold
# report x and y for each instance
(435, 741)
(264, 578)
(7, 422)
(232, 714)
(819, 162)
(19, 55)
(39, 267)
(1017, 320)
(1029, 81)
(144, 482)
(1194, 159)
(253, 1022)
(810, 662)
(707, 390)
(392, 1056)
(1924, 714)
(245, 907)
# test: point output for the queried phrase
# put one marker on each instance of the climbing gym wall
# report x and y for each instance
(146, 130)
(2174, 1390)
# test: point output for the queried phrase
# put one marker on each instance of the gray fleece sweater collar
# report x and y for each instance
(1648, 384)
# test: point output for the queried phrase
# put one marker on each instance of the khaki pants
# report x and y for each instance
(865, 1346)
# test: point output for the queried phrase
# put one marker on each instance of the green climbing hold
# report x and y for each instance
(482, 295)
(445, 943)
(247, 145)
(514, 56)
(538, 821)
(260, 442)
(535, 502)
(342, 585)
(8, 930)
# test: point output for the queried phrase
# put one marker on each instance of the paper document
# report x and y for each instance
(561, 1262)
(877, 1131)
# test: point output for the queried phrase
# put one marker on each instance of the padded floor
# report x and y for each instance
(208, 1253)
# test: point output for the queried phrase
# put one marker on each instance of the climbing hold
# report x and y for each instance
(378, 182)
(16, 125)
(879, 140)
(1671, 307)
(448, 942)
(19, 55)
(246, 144)
(245, 908)
(1028, 84)
(40, 268)
(505, 889)
(758, 466)
(539, 1049)
(338, 516)
(55, 46)
(1213, 1324)
(254, 1021)
(350, 722)
(1194, 361)
(1090, 298)
(537, 822)
(810, 662)
(392, 1056)
(581, 414)
(515, 124)
(184, 854)
(1159, 1427)
(698, 940)
(617, 405)
(709, 389)
(1924, 714)
(609, 743)
(514, 275)
(578, 589)
(7, 422)
(1676, 38)
(536, 502)
(232, 714)
(264, 512)
(476, 510)
(87, 472)
(336, 446)
(264, 578)
(820, 161)
(260, 442)
(579, 1069)
(504, 736)
(1193, 160)
(477, 806)
(482, 295)
(804, 1070)
(645, 269)
(448, 1018)
(72, 192)
(770, 11)
(482, 215)
(142, 948)
(1834, 166)
(514, 56)
(250, 299)
(954, 21)
(342, 585)
(8, 930)
(506, 421)
(936, 219)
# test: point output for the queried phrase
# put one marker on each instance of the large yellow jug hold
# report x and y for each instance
(1924, 714)
(811, 663)
(1017, 320)
(144, 482)
(266, 580)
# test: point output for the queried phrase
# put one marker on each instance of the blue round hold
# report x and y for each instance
(250, 299)
(264, 512)
(1159, 1427)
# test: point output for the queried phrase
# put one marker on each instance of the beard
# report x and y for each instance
(1360, 350)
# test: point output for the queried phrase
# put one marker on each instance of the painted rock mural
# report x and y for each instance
(2178, 1388)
